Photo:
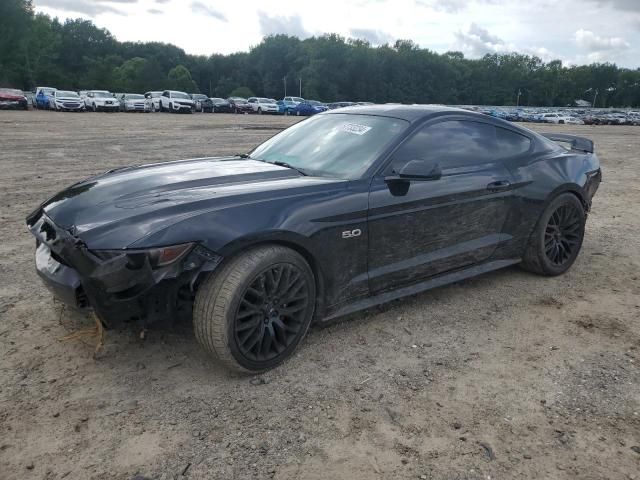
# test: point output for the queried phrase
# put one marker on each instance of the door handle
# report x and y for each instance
(499, 186)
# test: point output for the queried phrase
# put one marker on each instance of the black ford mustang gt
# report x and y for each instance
(337, 213)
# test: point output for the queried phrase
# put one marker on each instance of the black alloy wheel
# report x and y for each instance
(563, 234)
(252, 314)
(272, 312)
(557, 237)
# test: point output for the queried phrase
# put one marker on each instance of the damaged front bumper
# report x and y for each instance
(119, 285)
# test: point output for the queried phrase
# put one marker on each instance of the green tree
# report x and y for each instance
(180, 79)
(244, 92)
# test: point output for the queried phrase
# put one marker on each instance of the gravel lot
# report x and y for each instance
(508, 375)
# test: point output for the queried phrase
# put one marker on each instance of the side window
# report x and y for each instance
(451, 143)
(460, 143)
(510, 144)
(165, 94)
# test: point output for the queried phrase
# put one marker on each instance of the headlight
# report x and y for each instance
(157, 257)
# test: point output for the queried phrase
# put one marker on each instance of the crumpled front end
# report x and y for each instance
(124, 285)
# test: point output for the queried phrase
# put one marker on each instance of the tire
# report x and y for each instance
(259, 111)
(242, 283)
(557, 237)
(95, 109)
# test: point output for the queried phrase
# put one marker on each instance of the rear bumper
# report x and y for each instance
(111, 288)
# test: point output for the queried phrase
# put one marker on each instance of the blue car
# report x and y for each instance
(309, 107)
(44, 96)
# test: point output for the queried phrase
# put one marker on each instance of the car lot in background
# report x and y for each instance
(101, 101)
(10, 98)
(239, 105)
(262, 105)
(43, 97)
(66, 101)
(174, 101)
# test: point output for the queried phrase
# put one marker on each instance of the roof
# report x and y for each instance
(410, 113)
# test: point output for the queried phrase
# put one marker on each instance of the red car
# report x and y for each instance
(10, 98)
(239, 105)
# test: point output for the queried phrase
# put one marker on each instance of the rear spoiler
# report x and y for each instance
(577, 143)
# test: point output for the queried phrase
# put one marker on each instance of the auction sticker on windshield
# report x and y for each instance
(355, 128)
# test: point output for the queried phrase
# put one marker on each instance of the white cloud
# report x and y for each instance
(202, 9)
(477, 41)
(546, 28)
(594, 43)
(273, 25)
(374, 37)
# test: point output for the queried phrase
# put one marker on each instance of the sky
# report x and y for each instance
(574, 31)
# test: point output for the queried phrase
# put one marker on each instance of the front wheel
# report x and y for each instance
(253, 314)
(557, 238)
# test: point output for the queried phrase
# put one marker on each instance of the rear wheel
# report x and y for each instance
(253, 314)
(557, 238)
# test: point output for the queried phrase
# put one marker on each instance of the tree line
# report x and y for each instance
(36, 49)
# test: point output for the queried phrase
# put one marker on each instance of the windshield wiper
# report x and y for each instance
(286, 165)
(279, 163)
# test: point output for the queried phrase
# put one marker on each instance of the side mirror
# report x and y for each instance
(419, 170)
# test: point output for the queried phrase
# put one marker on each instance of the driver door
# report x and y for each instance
(423, 226)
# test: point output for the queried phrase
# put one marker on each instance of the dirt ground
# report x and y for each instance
(508, 375)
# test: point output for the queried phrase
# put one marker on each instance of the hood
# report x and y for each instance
(132, 202)
(69, 99)
(11, 96)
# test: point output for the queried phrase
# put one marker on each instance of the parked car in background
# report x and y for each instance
(101, 100)
(133, 102)
(616, 119)
(292, 100)
(334, 105)
(152, 100)
(176, 101)
(574, 120)
(10, 98)
(220, 105)
(239, 105)
(309, 108)
(43, 97)
(262, 105)
(66, 101)
(555, 118)
(202, 103)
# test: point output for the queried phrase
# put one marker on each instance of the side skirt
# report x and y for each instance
(434, 282)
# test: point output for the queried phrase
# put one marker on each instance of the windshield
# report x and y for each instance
(156, 94)
(12, 91)
(315, 103)
(134, 96)
(239, 100)
(102, 95)
(180, 95)
(337, 145)
(217, 100)
(64, 93)
(297, 99)
(199, 96)
(48, 91)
